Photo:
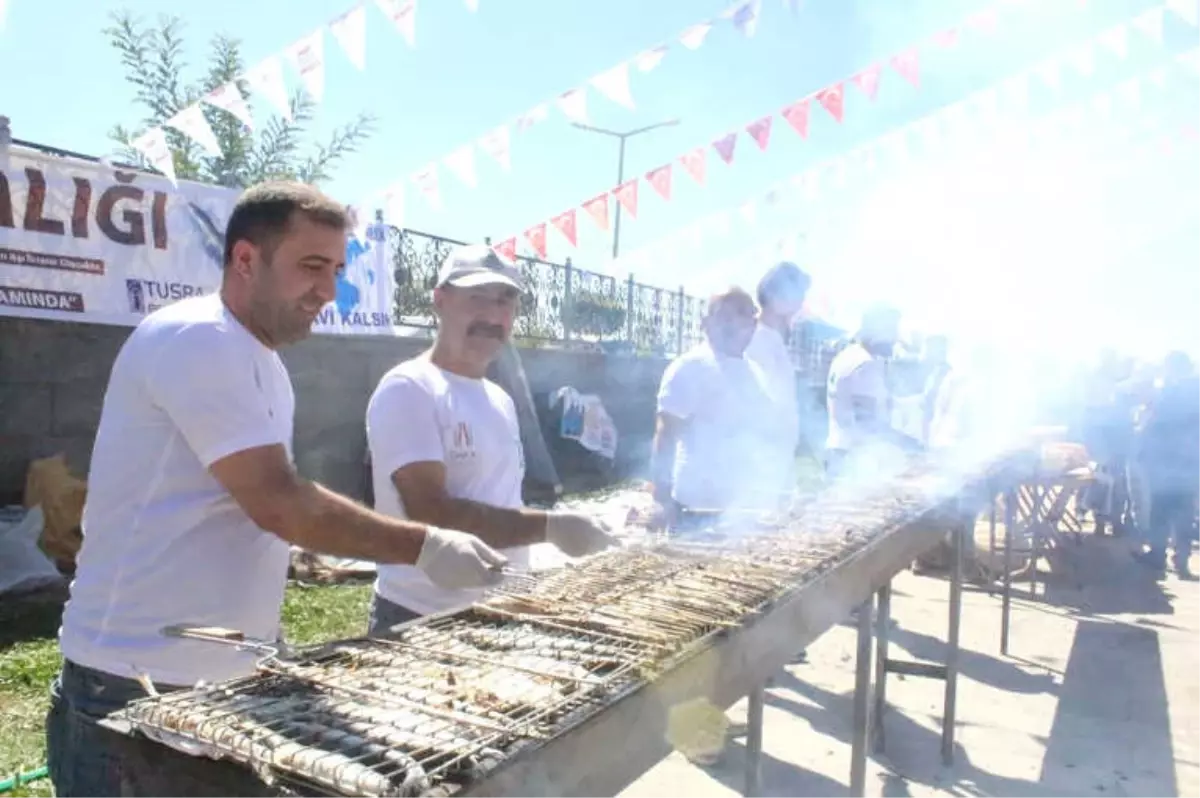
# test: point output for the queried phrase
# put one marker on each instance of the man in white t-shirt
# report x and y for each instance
(193, 500)
(715, 419)
(860, 398)
(781, 295)
(446, 446)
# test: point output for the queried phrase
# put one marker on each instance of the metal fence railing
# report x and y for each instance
(562, 301)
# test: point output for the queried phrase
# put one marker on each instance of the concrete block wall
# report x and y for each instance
(53, 376)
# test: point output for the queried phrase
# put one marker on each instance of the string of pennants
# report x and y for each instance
(978, 114)
(613, 83)
(307, 58)
(832, 100)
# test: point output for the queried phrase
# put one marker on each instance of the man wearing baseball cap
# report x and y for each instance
(445, 442)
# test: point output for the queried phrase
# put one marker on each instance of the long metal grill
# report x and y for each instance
(450, 697)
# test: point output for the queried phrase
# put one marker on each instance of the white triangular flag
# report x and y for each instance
(191, 123)
(574, 105)
(153, 145)
(1187, 10)
(266, 78)
(694, 36)
(1190, 61)
(498, 145)
(614, 84)
(229, 99)
(539, 113)
(392, 201)
(472, 5)
(308, 59)
(1051, 73)
(350, 31)
(1083, 59)
(462, 163)
(403, 14)
(426, 180)
(1151, 23)
(1116, 39)
(649, 59)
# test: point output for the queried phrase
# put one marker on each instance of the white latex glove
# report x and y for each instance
(456, 561)
(577, 535)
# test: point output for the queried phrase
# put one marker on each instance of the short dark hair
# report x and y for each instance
(783, 278)
(263, 214)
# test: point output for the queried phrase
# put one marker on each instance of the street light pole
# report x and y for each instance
(621, 138)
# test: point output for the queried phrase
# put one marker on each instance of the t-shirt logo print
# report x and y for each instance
(463, 442)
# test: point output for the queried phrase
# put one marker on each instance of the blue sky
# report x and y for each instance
(472, 71)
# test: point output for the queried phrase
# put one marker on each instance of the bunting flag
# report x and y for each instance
(614, 84)
(694, 36)
(649, 59)
(539, 113)
(573, 104)
(498, 144)
(868, 80)
(1152, 23)
(1083, 59)
(403, 14)
(308, 58)
(1116, 39)
(724, 147)
(565, 222)
(745, 17)
(507, 249)
(426, 181)
(350, 32)
(985, 21)
(796, 115)
(908, 64)
(627, 195)
(462, 163)
(266, 78)
(393, 204)
(1187, 10)
(597, 208)
(191, 123)
(830, 99)
(660, 180)
(760, 131)
(153, 145)
(694, 163)
(230, 100)
(536, 236)
(946, 39)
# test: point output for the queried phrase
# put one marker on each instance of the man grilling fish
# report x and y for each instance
(446, 447)
(193, 500)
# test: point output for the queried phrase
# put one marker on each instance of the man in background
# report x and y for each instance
(781, 295)
(936, 365)
(715, 418)
(445, 443)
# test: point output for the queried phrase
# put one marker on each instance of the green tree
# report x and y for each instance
(154, 64)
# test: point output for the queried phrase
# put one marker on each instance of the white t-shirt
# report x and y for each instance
(768, 350)
(854, 373)
(726, 404)
(421, 413)
(163, 541)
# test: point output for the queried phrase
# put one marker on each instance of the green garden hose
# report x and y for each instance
(8, 785)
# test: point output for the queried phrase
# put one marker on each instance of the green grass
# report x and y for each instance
(29, 659)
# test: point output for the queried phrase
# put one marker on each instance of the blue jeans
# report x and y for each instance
(386, 614)
(83, 758)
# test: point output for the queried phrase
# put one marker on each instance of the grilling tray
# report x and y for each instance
(442, 701)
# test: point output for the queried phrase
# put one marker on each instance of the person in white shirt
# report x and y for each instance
(715, 419)
(193, 500)
(781, 295)
(859, 397)
(446, 446)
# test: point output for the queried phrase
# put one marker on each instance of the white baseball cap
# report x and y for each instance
(474, 265)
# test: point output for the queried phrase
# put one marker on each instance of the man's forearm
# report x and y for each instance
(499, 527)
(662, 466)
(328, 523)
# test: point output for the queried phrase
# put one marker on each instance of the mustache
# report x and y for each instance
(486, 330)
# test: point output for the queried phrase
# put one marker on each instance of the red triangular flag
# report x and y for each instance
(724, 147)
(536, 236)
(565, 222)
(760, 131)
(597, 208)
(908, 64)
(694, 163)
(660, 178)
(626, 194)
(830, 99)
(797, 116)
(507, 249)
(868, 80)
(946, 38)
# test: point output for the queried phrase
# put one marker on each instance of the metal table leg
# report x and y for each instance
(883, 613)
(991, 533)
(754, 729)
(1010, 520)
(1036, 538)
(956, 591)
(862, 702)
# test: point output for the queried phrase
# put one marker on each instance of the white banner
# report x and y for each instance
(80, 242)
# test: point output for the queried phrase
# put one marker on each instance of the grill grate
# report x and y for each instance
(447, 698)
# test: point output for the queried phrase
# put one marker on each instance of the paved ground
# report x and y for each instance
(1099, 696)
